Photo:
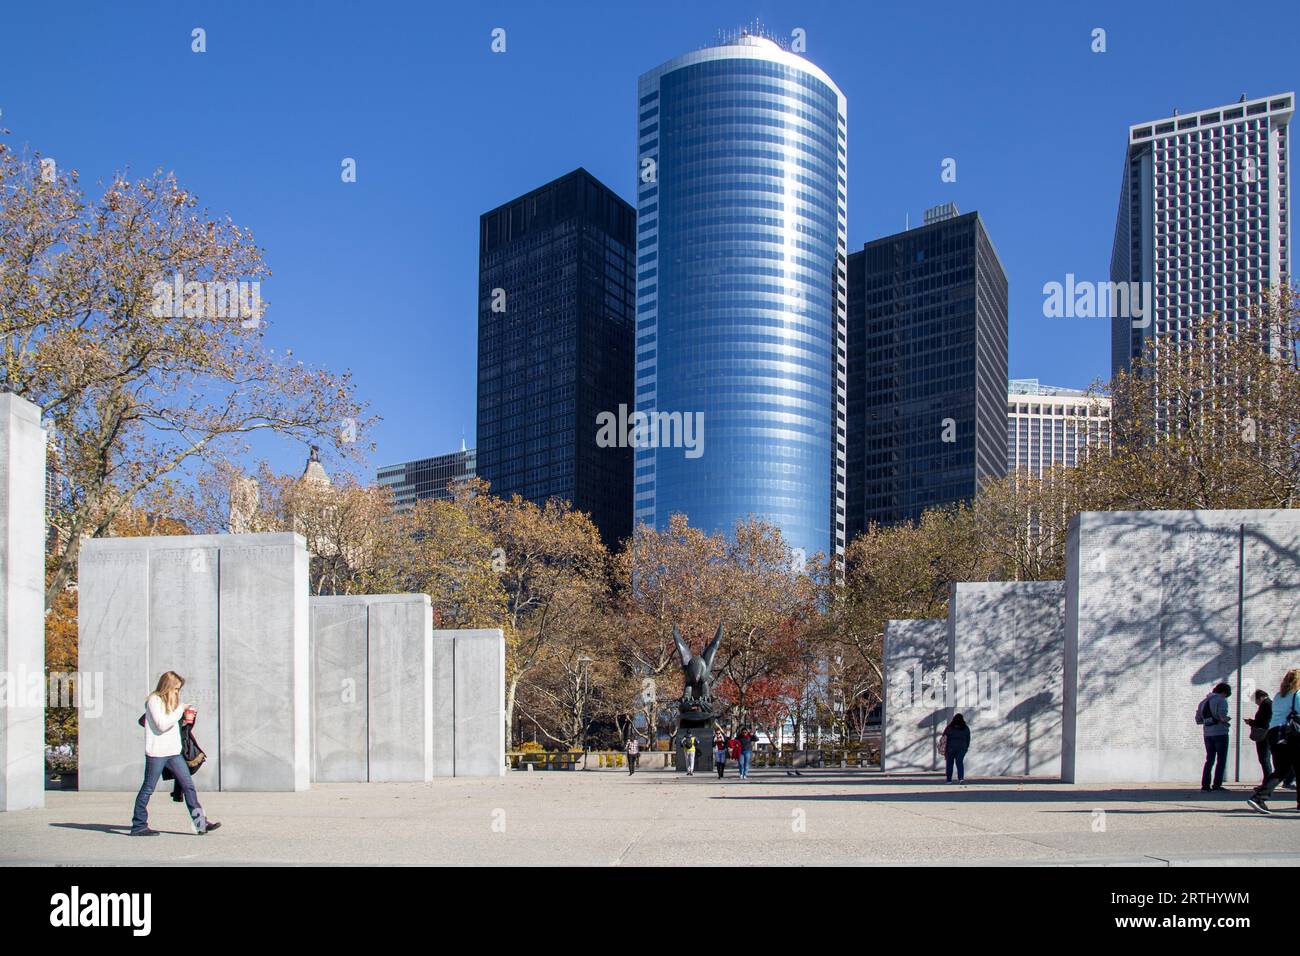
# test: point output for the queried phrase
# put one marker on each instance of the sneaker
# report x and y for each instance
(212, 825)
(145, 832)
(1258, 805)
(1218, 788)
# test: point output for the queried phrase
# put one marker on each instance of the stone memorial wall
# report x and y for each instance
(226, 612)
(1006, 644)
(914, 714)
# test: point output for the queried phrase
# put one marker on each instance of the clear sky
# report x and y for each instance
(379, 275)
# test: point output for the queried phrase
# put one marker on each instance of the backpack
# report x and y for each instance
(1204, 715)
(1291, 729)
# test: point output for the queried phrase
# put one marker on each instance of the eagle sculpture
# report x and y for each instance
(697, 668)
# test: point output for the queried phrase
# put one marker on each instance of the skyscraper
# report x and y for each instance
(412, 481)
(927, 322)
(1049, 426)
(556, 336)
(1204, 218)
(741, 251)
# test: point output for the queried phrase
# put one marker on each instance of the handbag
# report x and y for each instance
(1258, 733)
(943, 745)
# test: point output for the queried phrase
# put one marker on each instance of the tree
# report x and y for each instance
(673, 576)
(134, 387)
(552, 568)
(771, 604)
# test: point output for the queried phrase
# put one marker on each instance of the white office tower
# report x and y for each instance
(1204, 219)
(1049, 426)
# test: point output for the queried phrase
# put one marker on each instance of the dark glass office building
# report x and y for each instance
(556, 340)
(927, 324)
(742, 246)
(413, 481)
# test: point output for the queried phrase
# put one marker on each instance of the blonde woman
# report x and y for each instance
(163, 713)
(1286, 752)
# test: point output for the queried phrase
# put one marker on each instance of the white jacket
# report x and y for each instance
(162, 728)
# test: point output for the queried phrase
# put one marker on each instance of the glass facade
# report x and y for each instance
(413, 481)
(928, 371)
(555, 347)
(741, 255)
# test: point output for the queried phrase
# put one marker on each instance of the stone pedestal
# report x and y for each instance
(226, 612)
(22, 605)
(700, 722)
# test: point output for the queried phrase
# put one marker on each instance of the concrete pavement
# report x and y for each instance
(660, 818)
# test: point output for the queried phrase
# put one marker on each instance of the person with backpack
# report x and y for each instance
(162, 748)
(956, 741)
(719, 752)
(688, 753)
(1283, 741)
(633, 752)
(746, 752)
(1212, 715)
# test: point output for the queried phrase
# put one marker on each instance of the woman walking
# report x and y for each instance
(719, 752)
(1284, 752)
(162, 748)
(956, 741)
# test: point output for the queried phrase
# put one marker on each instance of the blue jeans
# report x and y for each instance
(153, 768)
(959, 758)
(743, 763)
(1216, 757)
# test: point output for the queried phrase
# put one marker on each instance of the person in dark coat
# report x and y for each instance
(1259, 733)
(956, 741)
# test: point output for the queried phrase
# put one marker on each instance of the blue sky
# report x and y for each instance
(379, 276)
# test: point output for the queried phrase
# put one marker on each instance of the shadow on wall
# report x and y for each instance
(1170, 603)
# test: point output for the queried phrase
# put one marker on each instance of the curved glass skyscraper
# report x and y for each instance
(741, 298)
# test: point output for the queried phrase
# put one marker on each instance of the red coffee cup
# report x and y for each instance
(190, 715)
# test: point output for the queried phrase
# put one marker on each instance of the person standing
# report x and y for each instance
(746, 751)
(1212, 715)
(1283, 743)
(633, 752)
(162, 748)
(956, 741)
(719, 753)
(688, 753)
(1259, 734)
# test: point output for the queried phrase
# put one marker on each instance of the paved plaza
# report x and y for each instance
(660, 818)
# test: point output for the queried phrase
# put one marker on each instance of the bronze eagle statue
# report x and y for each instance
(697, 669)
